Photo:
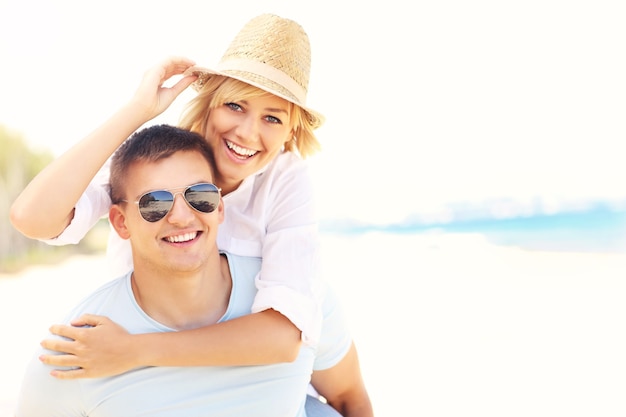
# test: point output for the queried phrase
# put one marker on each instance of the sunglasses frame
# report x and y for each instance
(174, 192)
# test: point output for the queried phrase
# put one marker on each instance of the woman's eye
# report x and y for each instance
(273, 119)
(234, 106)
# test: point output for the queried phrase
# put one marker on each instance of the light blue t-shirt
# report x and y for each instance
(267, 390)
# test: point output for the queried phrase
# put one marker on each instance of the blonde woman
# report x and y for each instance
(252, 111)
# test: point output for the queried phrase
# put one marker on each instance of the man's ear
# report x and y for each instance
(220, 210)
(117, 218)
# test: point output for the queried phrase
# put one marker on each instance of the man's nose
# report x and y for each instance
(181, 212)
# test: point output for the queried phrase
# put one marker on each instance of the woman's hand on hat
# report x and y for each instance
(154, 96)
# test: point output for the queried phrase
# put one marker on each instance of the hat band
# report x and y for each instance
(266, 71)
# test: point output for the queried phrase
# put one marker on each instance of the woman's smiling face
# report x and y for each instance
(246, 135)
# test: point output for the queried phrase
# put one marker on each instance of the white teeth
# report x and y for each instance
(182, 238)
(239, 150)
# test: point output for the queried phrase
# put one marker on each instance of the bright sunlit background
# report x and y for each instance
(511, 105)
(427, 103)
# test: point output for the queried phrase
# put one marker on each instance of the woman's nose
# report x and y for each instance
(248, 129)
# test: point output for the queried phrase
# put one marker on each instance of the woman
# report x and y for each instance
(252, 110)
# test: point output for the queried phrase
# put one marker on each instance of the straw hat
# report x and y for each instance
(271, 53)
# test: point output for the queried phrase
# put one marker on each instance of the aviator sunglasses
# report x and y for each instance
(155, 205)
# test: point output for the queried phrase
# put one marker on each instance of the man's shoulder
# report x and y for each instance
(109, 298)
(243, 267)
(243, 271)
(241, 259)
(104, 292)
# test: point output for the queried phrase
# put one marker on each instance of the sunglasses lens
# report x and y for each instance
(203, 197)
(155, 205)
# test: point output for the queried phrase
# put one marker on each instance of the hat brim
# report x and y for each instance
(315, 118)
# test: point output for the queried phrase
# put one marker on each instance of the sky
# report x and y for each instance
(427, 103)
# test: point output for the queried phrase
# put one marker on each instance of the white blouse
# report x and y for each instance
(271, 215)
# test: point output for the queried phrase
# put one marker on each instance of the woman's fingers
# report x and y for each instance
(90, 320)
(60, 360)
(95, 344)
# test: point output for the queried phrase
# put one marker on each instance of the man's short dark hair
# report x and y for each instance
(152, 144)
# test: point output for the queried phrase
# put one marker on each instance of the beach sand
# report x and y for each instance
(445, 325)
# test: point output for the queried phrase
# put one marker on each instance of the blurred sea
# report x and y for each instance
(595, 228)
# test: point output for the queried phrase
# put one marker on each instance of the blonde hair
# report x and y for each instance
(218, 90)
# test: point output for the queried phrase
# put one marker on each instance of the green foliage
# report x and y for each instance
(19, 164)
(14, 151)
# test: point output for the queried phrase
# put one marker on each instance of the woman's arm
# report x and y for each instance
(343, 387)
(289, 280)
(106, 349)
(73, 171)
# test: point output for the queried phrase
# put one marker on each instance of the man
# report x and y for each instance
(168, 208)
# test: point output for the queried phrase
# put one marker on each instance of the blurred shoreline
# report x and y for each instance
(581, 226)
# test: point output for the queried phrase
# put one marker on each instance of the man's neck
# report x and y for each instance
(184, 300)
